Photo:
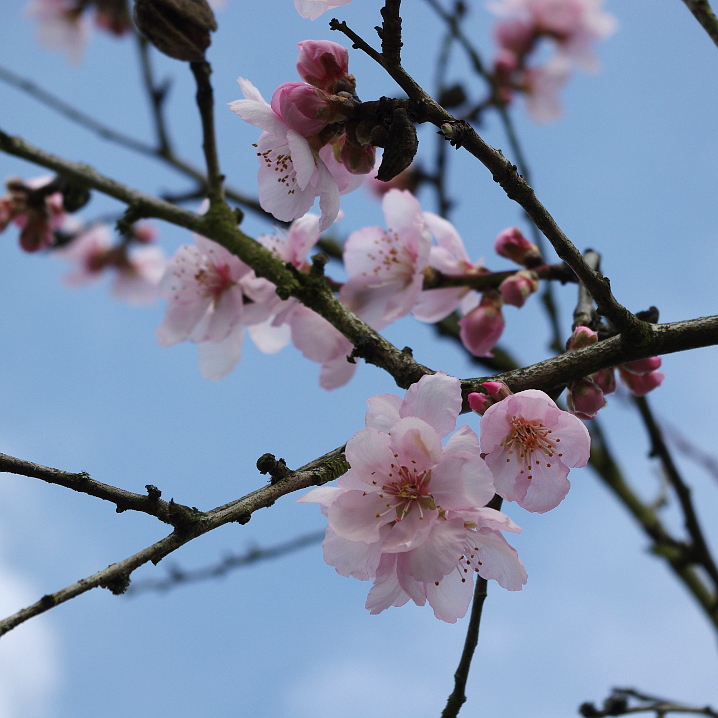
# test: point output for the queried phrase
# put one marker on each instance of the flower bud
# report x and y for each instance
(643, 366)
(497, 390)
(516, 35)
(640, 384)
(512, 244)
(178, 28)
(605, 380)
(582, 337)
(584, 398)
(517, 288)
(481, 328)
(480, 402)
(325, 65)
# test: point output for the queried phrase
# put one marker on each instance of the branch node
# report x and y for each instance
(153, 493)
(117, 584)
(276, 468)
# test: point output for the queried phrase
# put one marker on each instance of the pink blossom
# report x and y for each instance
(386, 267)
(313, 335)
(61, 26)
(530, 445)
(301, 106)
(409, 514)
(542, 86)
(450, 258)
(573, 24)
(312, 9)
(481, 328)
(291, 171)
(202, 284)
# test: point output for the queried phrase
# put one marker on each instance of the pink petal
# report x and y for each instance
(436, 399)
(383, 411)
(415, 444)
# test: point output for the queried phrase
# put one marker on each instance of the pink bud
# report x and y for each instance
(481, 328)
(641, 384)
(144, 232)
(497, 389)
(480, 402)
(36, 233)
(301, 107)
(582, 337)
(584, 398)
(605, 380)
(323, 64)
(512, 244)
(517, 288)
(642, 366)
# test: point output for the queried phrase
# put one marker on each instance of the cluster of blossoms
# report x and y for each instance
(585, 397)
(573, 25)
(38, 208)
(136, 267)
(386, 271)
(306, 150)
(213, 295)
(411, 513)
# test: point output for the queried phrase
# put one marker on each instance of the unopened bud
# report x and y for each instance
(640, 384)
(512, 244)
(584, 398)
(643, 366)
(517, 288)
(582, 337)
(481, 328)
(605, 380)
(178, 28)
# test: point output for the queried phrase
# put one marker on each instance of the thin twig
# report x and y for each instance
(167, 511)
(700, 552)
(156, 95)
(703, 12)
(675, 553)
(619, 704)
(178, 576)
(585, 315)
(458, 695)
(116, 577)
(130, 143)
(205, 103)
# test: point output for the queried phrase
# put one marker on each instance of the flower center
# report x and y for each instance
(408, 488)
(526, 439)
(216, 279)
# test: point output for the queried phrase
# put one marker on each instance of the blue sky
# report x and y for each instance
(631, 169)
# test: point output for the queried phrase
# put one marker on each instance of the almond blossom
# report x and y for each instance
(203, 284)
(292, 171)
(410, 514)
(313, 335)
(530, 445)
(386, 266)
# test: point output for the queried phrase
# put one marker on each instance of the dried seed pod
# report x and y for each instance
(178, 28)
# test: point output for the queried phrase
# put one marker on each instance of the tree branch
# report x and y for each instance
(703, 12)
(177, 577)
(116, 577)
(461, 134)
(167, 511)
